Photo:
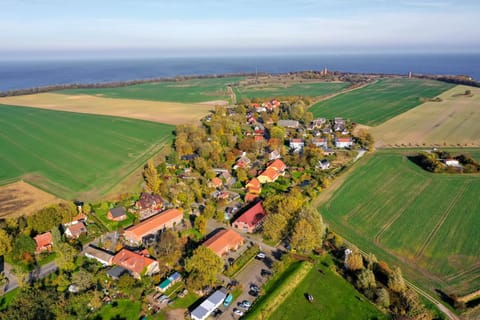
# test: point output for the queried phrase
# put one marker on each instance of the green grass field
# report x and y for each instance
(334, 298)
(186, 91)
(124, 309)
(380, 101)
(71, 154)
(426, 223)
(297, 89)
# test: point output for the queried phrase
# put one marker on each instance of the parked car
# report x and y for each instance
(310, 298)
(265, 273)
(254, 287)
(253, 293)
(238, 312)
(261, 255)
(228, 300)
(245, 304)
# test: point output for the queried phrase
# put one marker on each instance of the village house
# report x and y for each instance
(296, 145)
(274, 155)
(101, 256)
(327, 129)
(343, 142)
(251, 219)
(227, 177)
(117, 214)
(320, 142)
(452, 163)
(338, 124)
(75, 230)
(136, 263)
(272, 172)
(294, 124)
(149, 204)
(254, 188)
(224, 241)
(243, 162)
(324, 164)
(317, 123)
(163, 220)
(44, 242)
(215, 183)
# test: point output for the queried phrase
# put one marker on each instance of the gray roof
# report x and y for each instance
(118, 212)
(207, 306)
(288, 123)
(92, 252)
(116, 272)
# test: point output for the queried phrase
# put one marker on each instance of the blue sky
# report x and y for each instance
(207, 27)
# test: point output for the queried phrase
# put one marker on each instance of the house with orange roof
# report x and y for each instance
(251, 219)
(163, 220)
(224, 241)
(75, 230)
(269, 175)
(216, 183)
(44, 242)
(343, 142)
(137, 264)
(250, 197)
(278, 165)
(296, 145)
(254, 186)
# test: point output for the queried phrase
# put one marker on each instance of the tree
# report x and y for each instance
(274, 227)
(83, 280)
(152, 179)
(5, 243)
(383, 298)
(169, 247)
(366, 280)
(23, 249)
(66, 256)
(126, 283)
(396, 283)
(201, 224)
(203, 267)
(278, 133)
(32, 304)
(354, 261)
(309, 230)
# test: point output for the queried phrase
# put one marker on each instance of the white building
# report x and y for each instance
(296, 145)
(204, 310)
(343, 142)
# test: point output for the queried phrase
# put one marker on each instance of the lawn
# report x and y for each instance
(426, 223)
(380, 101)
(74, 155)
(311, 89)
(451, 122)
(334, 298)
(185, 91)
(120, 309)
(8, 297)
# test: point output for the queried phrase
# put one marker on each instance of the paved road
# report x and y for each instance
(43, 271)
(12, 279)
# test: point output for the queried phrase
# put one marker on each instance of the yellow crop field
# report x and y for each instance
(453, 121)
(157, 111)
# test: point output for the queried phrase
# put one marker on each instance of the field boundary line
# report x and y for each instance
(442, 220)
(392, 220)
(463, 272)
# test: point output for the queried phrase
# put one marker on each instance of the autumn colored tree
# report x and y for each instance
(396, 283)
(203, 267)
(366, 280)
(273, 227)
(5, 242)
(152, 179)
(354, 261)
(200, 224)
(169, 247)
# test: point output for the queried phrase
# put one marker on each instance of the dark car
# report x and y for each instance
(265, 273)
(253, 293)
(254, 287)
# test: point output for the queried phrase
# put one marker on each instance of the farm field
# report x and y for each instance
(334, 298)
(184, 91)
(157, 111)
(451, 122)
(426, 223)
(71, 154)
(379, 101)
(272, 90)
(20, 198)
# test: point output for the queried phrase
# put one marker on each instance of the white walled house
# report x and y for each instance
(343, 142)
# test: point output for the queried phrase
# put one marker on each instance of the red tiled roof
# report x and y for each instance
(132, 261)
(43, 240)
(217, 182)
(258, 138)
(271, 173)
(254, 183)
(223, 241)
(77, 229)
(278, 165)
(79, 217)
(296, 140)
(249, 197)
(154, 223)
(253, 216)
(344, 139)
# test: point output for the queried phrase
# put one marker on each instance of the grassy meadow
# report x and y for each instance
(334, 298)
(184, 91)
(379, 101)
(450, 122)
(426, 223)
(71, 154)
(269, 90)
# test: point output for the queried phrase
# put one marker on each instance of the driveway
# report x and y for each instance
(43, 271)
(12, 279)
(248, 276)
